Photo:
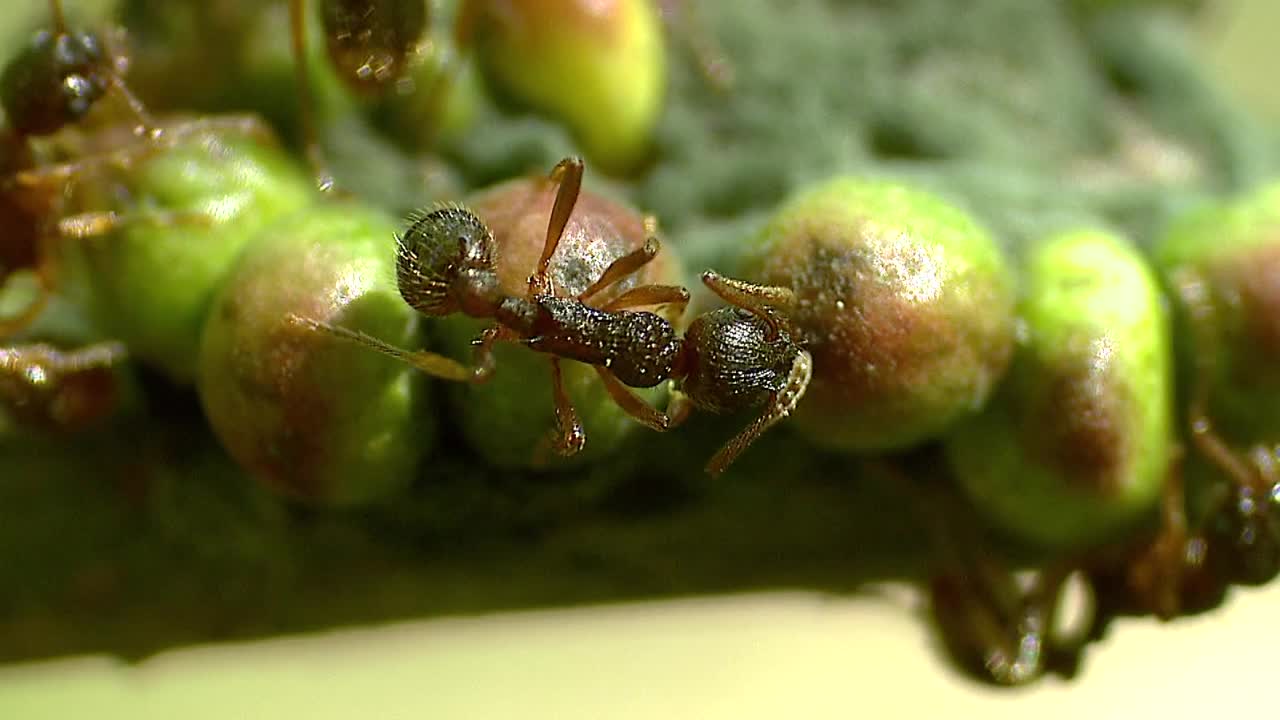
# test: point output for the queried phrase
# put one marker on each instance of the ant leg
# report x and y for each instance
(780, 406)
(621, 268)
(763, 301)
(629, 263)
(61, 390)
(250, 126)
(1156, 575)
(430, 363)
(676, 299)
(1190, 292)
(987, 621)
(631, 403)
(60, 173)
(15, 361)
(568, 173)
(306, 109)
(147, 126)
(568, 436)
(46, 272)
(682, 18)
(96, 224)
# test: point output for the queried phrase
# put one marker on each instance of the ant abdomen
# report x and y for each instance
(733, 363)
(445, 264)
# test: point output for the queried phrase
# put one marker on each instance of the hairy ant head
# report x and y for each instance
(444, 264)
(54, 81)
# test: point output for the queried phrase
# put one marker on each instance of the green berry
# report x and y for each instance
(905, 302)
(313, 416)
(600, 67)
(1077, 443)
(191, 210)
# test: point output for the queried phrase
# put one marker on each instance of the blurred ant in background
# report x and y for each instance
(373, 45)
(51, 84)
(53, 90)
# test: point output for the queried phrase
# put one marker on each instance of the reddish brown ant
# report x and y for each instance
(729, 359)
(52, 86)
(371, 44)
(52, 83)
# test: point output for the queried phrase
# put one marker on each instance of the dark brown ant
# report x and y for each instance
(729, 359)
(50, 86)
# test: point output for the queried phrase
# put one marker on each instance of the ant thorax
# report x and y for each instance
(734, 360)
(639, 348)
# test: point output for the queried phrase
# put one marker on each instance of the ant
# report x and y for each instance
(371, 43)
(1004, 632)
(1189, 567)
(52, 83)
(729, 359)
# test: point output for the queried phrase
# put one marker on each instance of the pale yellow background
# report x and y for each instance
(784, 655)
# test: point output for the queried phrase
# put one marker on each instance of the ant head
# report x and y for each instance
(737, 360)
(54, 81)
(444, 264)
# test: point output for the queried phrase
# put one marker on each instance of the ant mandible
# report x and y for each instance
(729, 359)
